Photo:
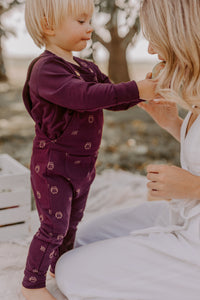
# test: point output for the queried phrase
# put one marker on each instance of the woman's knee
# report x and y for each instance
(121, 222)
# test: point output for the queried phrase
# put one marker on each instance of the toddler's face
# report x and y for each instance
(74, 32)
(151, 50)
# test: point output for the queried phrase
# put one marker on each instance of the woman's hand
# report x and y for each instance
(165, 114)
(167, 182)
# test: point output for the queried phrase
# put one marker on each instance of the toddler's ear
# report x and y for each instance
(47, 28)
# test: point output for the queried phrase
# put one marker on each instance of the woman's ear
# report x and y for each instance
(47, 28)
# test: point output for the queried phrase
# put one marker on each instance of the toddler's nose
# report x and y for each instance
(90, 29)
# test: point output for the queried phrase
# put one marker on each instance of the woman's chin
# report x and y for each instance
(161, 58)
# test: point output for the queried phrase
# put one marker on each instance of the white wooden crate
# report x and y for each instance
(15, 199)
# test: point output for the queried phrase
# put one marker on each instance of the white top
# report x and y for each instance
(190, 146)
(186, 212)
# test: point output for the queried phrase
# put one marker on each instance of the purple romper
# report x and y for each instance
(66, 102)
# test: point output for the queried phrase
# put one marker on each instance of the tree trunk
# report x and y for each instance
(118, 68)
(3, 76)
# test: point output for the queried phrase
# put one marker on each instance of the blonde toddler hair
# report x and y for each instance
(52, 12)
(173, 28)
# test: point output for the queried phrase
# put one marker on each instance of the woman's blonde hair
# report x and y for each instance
(173, 28)
(52, 12)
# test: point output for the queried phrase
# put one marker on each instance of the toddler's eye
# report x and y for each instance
(81, 21)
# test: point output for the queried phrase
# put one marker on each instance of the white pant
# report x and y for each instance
(118, 265)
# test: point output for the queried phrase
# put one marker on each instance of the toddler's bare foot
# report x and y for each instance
(37, 294)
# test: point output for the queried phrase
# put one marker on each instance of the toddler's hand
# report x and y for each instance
(147, 88)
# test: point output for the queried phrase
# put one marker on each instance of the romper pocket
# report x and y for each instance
(39, 180)
(78, 170)
(81, 170)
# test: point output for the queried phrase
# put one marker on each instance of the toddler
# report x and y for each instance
(65, 96)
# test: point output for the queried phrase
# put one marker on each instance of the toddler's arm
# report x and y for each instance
(146, 90)
(61, 87)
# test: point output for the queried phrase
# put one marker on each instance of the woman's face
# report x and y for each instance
(151, 50)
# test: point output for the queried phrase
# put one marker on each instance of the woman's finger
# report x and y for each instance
(155, 168)
(147, 105)
(153, 176)
(154, 185)
(149, 75)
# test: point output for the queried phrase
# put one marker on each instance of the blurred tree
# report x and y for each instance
(118, 33)
(5, 6)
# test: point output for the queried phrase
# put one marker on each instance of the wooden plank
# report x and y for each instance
(14, 215)
(14, 183)
(9, 165)
(17, 198)
(10, 233)
(13, 175)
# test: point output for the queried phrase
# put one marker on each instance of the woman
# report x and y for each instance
(153, 251)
